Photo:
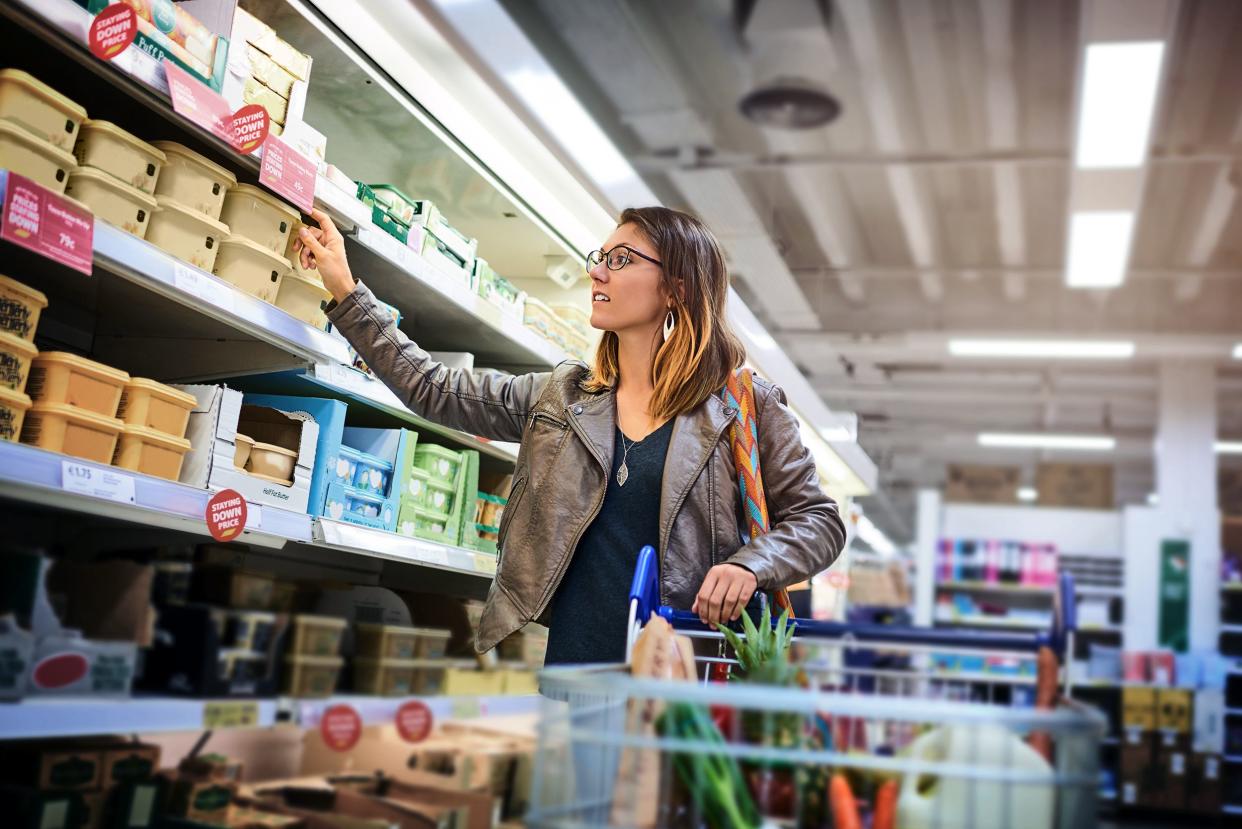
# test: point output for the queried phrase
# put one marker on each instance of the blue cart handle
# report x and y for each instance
(644, 600)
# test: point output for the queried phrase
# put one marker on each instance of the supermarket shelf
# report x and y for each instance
(1099, 627)
(1233, 710)
(82, 716)
(982, 676)
(1231, 628)
(442, 308)
(37, 477)
(1232, 758)
(1088, 590)
(988, 587)
(382, 710)
(1231, 809)
(1232, 587)
(1108, 794)
(392, 547)
(1110, 741)
(359, 387)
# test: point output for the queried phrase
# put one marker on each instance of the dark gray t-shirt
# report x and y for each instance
(591, 606)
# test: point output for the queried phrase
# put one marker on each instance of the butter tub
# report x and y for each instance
(40, 110)
(71, 431)
(112, 200)
(20, 307)
(37, 160)
(16, 357)
(105, 146)
(303, 298)
(62, 378)
(251, 267)
(192, 179)
(259, 217)
(187, 234)
(156, 406)
(13, 408)
(150, 452)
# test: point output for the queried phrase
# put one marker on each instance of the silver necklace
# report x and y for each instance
(623, 473)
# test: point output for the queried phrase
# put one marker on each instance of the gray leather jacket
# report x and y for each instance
(566, 437)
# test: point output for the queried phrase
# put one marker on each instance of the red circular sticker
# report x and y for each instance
(112, 30)
(226, 515)
(250, 127)
(414, 721)
(340, 727)
(60, 671)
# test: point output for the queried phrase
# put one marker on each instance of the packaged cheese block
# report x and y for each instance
(256, 92)
(269, 73)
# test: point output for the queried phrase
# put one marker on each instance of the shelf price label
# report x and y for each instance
(81, 479)
(466, 708)
(198, 284)
(193, 99)
(39, 220)
(288, 173)
(231, 714)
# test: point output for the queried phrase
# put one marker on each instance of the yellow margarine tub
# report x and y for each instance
(20, 307)
(72, 431)
(303, 298)
(187, 234)
(251, 267)
(192, 179)
(156, 406)
(37, 160)
(37, 108)
(13, 408)
(59, 377)
(112, 200)
(150, 452)
(260, 217)
(105, 146)
(16, 356)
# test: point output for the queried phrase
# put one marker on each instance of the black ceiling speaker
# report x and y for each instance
(790, 103)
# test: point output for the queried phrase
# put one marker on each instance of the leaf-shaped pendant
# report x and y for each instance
(623, 474)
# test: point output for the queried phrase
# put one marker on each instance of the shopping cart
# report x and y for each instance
(944, 715)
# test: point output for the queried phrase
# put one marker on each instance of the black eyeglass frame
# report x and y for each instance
(605, 254)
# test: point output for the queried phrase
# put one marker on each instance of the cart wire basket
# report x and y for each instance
(892, 727)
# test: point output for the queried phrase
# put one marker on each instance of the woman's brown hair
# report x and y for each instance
(703, 351)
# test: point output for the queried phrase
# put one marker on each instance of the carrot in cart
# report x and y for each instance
(844, 807)
(885, 815)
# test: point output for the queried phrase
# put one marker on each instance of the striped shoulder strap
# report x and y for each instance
(739, 393)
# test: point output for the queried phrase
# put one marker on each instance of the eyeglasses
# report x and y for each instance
(617, 258)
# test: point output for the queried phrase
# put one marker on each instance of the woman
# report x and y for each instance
(634, 451)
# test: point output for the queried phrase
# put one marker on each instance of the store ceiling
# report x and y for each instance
(934, 206)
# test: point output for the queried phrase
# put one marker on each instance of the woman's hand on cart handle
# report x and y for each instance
(724, 594)
(323, 248)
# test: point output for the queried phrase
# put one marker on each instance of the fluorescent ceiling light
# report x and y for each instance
(873, 536)
(1152, 499)
(1067, 349)
(839, 434)
(1229, 447)
(559, 111)
(1010, 440)
(1237, 351)
(1099, 248)
(1120, 82)
(1027, 494)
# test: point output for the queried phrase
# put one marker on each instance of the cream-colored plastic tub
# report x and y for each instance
(150, 452)
(316, 635)
(303, 298)
(272, 461)
(112, 200)
(16, 356)
(385, 677)
(20, 307)
(39, 109)
(37, 160)
(192, 179)
(13, 408)
(241, 452)
(187, 234)
(58, 377)
(260, 217)
(71, 431)
(251, 267)
(105, 146)
(156, 406)
(312, 676)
